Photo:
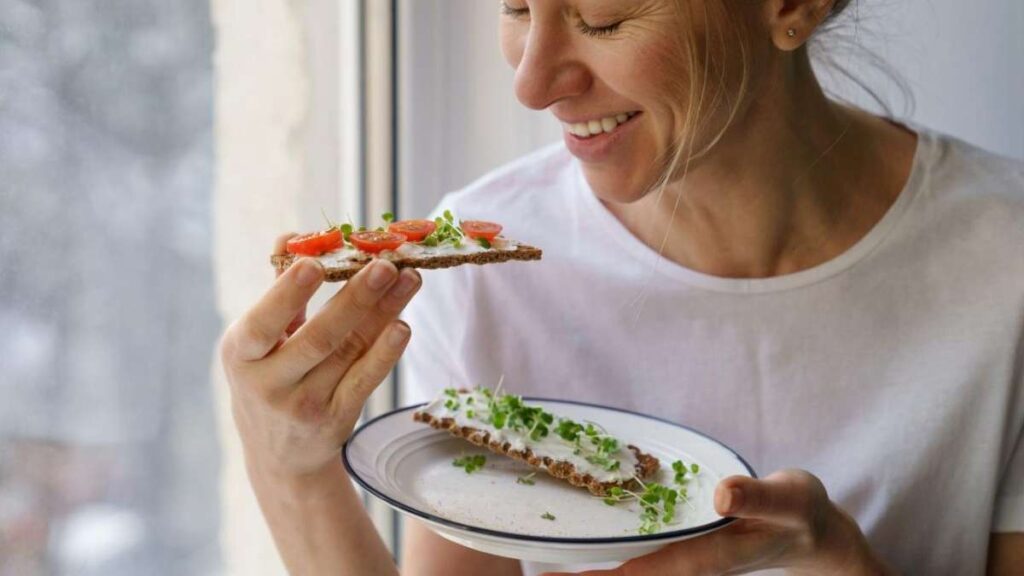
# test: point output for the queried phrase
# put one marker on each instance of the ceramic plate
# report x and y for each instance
(408, 465)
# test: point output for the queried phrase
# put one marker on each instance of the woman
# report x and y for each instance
(724, 246)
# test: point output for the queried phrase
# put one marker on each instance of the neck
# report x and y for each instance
(794, 182)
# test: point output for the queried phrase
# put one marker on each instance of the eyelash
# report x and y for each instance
(598, 31)
(583, 27)
(513, 12)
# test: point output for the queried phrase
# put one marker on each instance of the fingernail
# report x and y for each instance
(308, 273)
(399, 333)
(380, 275)
(408, 280)
(735, 501)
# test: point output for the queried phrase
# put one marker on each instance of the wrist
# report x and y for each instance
(298, 487)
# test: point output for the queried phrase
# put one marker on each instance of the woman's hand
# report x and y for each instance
(786, 521)
(298, 387)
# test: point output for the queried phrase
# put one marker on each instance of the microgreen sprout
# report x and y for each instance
(527, 480)
(657, 502)
(446, 231)
(470, 463)
(345, 229)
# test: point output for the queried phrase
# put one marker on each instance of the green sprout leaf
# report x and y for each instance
(470, 463)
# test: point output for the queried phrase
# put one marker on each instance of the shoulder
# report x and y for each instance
(969, 194)
(961, 171)
(967, 213)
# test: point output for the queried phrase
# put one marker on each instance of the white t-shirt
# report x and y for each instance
(894, 372)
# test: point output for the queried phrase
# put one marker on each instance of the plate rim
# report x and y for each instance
(639, 538)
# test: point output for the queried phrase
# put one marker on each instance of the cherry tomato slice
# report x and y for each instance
(375, 242)
(413, 230)
(316, 243)
(478, 229)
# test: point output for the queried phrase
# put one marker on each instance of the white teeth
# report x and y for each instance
(595, 127)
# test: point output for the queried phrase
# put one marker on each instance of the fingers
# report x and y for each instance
(322, 380)
(370, 370)
(261, 328)
(279, 249)
(282, 242)
(791, 495)
(327, 330)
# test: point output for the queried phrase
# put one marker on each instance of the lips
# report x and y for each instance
(596, 127)
(600, 145)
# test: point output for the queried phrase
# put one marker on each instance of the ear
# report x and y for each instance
(792, 22)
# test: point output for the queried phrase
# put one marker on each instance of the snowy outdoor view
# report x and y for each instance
(108, 451)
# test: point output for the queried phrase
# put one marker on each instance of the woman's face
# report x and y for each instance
(612, 73)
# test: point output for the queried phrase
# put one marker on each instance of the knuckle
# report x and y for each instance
(362, 302)
(317, 343)
(308, 408)
(809, 499)
(355, 345)
(351, 348)
(253, 333)
(369, 377)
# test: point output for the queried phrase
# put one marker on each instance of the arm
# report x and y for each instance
(297, 389)
(319, 524)
(424, 553)
(1005, 554)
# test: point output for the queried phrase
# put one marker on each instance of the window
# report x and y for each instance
(106, 289)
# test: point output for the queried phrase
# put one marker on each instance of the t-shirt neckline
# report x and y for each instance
(861, 249)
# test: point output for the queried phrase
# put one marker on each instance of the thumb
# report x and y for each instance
(791, 495)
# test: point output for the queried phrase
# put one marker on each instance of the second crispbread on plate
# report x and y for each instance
(646, 466)
(582, 454)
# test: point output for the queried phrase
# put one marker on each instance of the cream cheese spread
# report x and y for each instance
(349, 255)
(471, 409)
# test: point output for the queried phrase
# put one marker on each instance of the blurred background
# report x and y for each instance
(150, 151)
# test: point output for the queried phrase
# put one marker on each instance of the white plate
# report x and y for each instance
(408, 465)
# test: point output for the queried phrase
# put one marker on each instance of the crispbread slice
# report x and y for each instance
(522, 252)
(646, 467)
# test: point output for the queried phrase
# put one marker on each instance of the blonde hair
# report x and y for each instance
(707, 83)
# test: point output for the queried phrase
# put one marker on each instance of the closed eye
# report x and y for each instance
(598, 31)
(515, 13)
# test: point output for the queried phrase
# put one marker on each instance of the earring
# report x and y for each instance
(791, 32)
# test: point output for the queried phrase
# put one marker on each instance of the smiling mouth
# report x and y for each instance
(600, 126)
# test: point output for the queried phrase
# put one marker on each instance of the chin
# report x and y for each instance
(614, 188)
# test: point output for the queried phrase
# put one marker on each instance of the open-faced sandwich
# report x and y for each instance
(440, 243)
(580, 453)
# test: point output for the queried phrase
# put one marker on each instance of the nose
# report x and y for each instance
(549, 70)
